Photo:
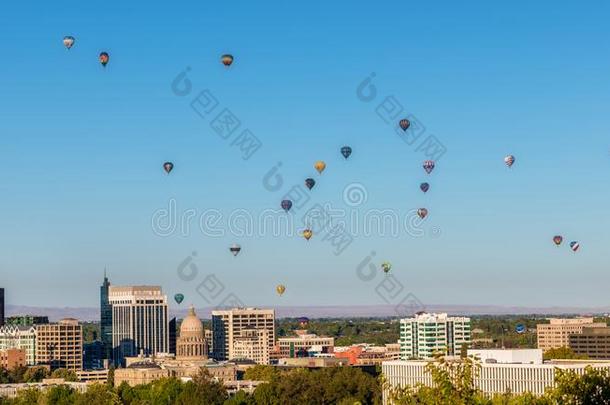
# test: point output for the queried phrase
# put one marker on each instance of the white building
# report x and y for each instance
(426, 334)
(492, 378)
(252, 344)
(507, 356)
(227, 325)
(20, 337)
(139, 321)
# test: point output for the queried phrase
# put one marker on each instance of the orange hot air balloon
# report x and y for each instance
(307, 234)
(320, 166)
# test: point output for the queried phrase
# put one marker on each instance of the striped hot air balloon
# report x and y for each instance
(422, 213)
(509, 160)
(235, 249)
(404, 124)
(428, 166)
(68, 41)
(574, 245)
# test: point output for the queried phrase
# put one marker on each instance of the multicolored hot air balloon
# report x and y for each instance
(104, 58)
(309, 183)
(320, 166)
(428, 166)
(179, 298)
(520, 328)
(424, 187)
(286, 205)
(307, 234)
(558, 239)
(168, 167)
(280, 289)
(422, 213)
(404, 124)
(227, 59)
(235, 249)
(346, 151)
(386, 267)
(574, 245)
(509, 160)
(68, 41)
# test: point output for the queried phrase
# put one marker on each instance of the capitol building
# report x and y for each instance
(191, 345)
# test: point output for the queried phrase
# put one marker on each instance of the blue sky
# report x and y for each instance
(82, 147)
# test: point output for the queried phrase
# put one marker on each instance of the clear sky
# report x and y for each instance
(82, 147)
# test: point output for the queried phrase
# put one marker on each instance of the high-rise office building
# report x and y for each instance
(172, 336)
(105, 319)
(19, 337)
(427, 334)
(1, 306)
(60, 345)
(228, 324)
(556, 333)
(139, 321)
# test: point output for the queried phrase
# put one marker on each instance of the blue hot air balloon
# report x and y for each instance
(179, 298)
(424, 187)
(286, 205)
(346, 151)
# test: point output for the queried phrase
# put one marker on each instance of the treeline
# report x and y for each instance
(342, 385)
(33, 374)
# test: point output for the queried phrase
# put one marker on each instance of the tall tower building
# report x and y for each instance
(427, 334)
(227, 326)
(60, 345)
(1, 306)
(105, 319)
(139, 321)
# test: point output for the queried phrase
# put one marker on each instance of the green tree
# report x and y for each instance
(27, 397)
(99, 394)
(35, 374)
(241, 398)
(60, 395)
(562, 353)
(261, 373)
(66, 374)
(593, 387)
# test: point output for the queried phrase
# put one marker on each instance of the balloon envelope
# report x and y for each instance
(309, 183)
(428, 166)
(68, 41)
(226, 59)
(509, 160)
(280, 289)
(168, 167)
(520, 328)
(179, 298)
(557, 239)
(307, 234)
(424, 187)
(574, 245)
(320, 166)
(235, 249)
(346, 151)
(422, 213)
(104, 58)
(286, 205)
(404, 124)
(386, 267)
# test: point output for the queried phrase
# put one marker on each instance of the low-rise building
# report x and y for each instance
(11, 390)
(253, 344)
(12, 358)
(60, 345)
(304, 345)
(365, 354)
(93, 376)
(19, 337)
(591, 342)
(313, 362)
(556, 333)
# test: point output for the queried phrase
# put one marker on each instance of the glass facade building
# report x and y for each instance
(425, 335)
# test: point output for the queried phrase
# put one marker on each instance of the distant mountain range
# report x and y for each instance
(338, 311)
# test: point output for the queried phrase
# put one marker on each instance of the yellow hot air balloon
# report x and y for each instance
(280, 289)
(320, 166)
(307, 234)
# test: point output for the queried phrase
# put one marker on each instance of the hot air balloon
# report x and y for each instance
(68, 41)
(320, 166)
(520, 328)
(309, 183)
(428, 166)
(346, 151)
(168, 167)
(509, 160)
(422, 213)
(226, 60)
(404, 124)
(574, 245)
(307, 234)
(386, 267)
(104, 58)
(235, 249)
(286, 205)
(303, 321)
(280, 289)
(179, 298)
(424, 187)
(557, 239)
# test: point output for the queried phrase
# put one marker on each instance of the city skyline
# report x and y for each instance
(85, 145)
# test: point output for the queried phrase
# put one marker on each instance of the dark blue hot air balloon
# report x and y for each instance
(424, 187)
(309, 183)
(346, 151)
(286, 205)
